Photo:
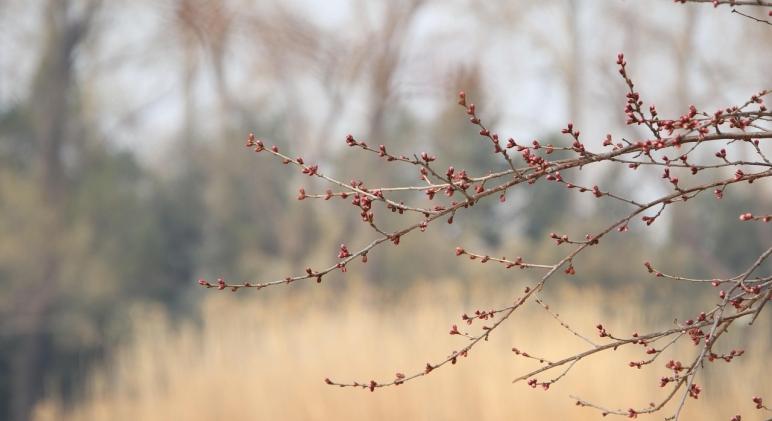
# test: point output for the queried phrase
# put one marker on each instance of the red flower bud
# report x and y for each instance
(344, 253)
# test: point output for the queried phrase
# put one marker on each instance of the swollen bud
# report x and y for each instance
(462, 98)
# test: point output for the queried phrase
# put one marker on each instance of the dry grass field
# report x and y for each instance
(264, 357)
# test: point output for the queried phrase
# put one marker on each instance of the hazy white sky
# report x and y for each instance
(132, 69)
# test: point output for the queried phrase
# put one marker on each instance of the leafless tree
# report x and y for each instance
(736, 137)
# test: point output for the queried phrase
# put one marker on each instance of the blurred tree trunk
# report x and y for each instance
(49, 113)
(574, 66)
(684, 61)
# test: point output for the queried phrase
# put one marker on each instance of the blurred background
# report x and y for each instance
(123, 179)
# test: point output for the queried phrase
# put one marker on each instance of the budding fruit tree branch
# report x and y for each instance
(669, 146)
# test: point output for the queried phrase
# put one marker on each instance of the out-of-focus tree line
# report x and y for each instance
(123, 177)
